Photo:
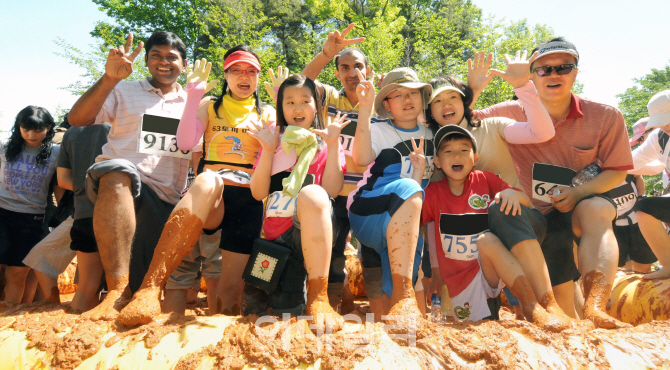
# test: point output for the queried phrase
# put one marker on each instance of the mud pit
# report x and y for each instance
(45, 335)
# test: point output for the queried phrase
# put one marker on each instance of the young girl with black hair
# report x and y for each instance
(27, 164)
(300, 170)
(220, 197)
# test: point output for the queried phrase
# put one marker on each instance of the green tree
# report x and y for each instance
(183, 17)
(633, 105)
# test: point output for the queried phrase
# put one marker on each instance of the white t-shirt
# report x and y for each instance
(124, 108)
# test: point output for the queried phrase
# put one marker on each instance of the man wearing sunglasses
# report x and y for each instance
(586, 132)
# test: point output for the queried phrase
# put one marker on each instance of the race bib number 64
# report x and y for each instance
(158, 136)
(548, 176)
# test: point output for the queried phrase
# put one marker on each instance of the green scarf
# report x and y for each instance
(304, 142)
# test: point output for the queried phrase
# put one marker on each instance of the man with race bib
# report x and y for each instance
(134, 189)
(586, 133)
(345, 101)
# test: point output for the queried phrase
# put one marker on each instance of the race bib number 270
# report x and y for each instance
(158, 136)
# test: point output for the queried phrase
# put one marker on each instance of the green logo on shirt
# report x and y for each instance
(479, 202)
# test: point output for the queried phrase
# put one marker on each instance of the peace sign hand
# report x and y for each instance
(416, 157)
(264, 135)
(331, 134)
(365, 90)
(200, 73)
(120, 61)
(337, 41)
(478, 71)
(272, 88)
(518, 70)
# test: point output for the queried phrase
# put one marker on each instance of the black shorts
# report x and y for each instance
(151, 215)
(242, 220)
(82, 235)
(657, 207)
(633, 244)
(19, 233)
(557, 245)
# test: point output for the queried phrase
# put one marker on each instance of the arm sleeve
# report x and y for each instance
(539, 127)
(190, 128)
(509, 109)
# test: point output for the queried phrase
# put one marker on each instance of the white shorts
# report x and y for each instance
(470, 304)
(52, 255)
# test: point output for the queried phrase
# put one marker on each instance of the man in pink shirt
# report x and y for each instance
(586, 132)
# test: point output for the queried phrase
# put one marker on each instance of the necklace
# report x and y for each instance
(400, 137)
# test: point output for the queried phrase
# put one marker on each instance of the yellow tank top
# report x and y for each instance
(230, 150)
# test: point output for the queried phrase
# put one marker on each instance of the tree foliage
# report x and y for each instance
(435, 37)
(633, 105)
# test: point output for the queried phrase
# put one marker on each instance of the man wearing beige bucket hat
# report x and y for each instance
(385, 209)
(648, 157)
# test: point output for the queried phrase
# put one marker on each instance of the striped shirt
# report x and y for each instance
(591, 132)
(336, 101)
(124, 108)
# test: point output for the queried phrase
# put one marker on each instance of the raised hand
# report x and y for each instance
(478, 71)
(380, 79)
(337, 41)
(331, 134)
(272, 88)
(265, 137)
(417, 158)
(120, 61)
(200, 73)
(518, 70)
(365, 90)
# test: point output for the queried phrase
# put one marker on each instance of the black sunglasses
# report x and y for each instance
(563, 69)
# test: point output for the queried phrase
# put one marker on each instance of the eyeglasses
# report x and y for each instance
(240, 71)
(399, 95)
(563, 69)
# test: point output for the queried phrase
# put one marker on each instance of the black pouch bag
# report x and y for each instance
(266, 263)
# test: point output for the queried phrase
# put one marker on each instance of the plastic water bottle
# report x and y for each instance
(587, 174)
(436, 308)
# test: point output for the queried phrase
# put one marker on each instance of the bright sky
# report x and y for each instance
(618, 40)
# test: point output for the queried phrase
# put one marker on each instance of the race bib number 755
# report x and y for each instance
(158, 136)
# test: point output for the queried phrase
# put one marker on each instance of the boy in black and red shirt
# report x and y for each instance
(472, 261)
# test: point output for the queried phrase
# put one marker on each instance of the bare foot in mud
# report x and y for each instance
(597, 296)
(109, 308)
(324, 318)
(604, 321)
(662, 273)
(549, 303)
(141, 310)
(405, 316)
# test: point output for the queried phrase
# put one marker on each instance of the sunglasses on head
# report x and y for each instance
(563, 69)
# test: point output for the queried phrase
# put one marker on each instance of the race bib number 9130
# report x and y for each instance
(158, 136)
(546, 177)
